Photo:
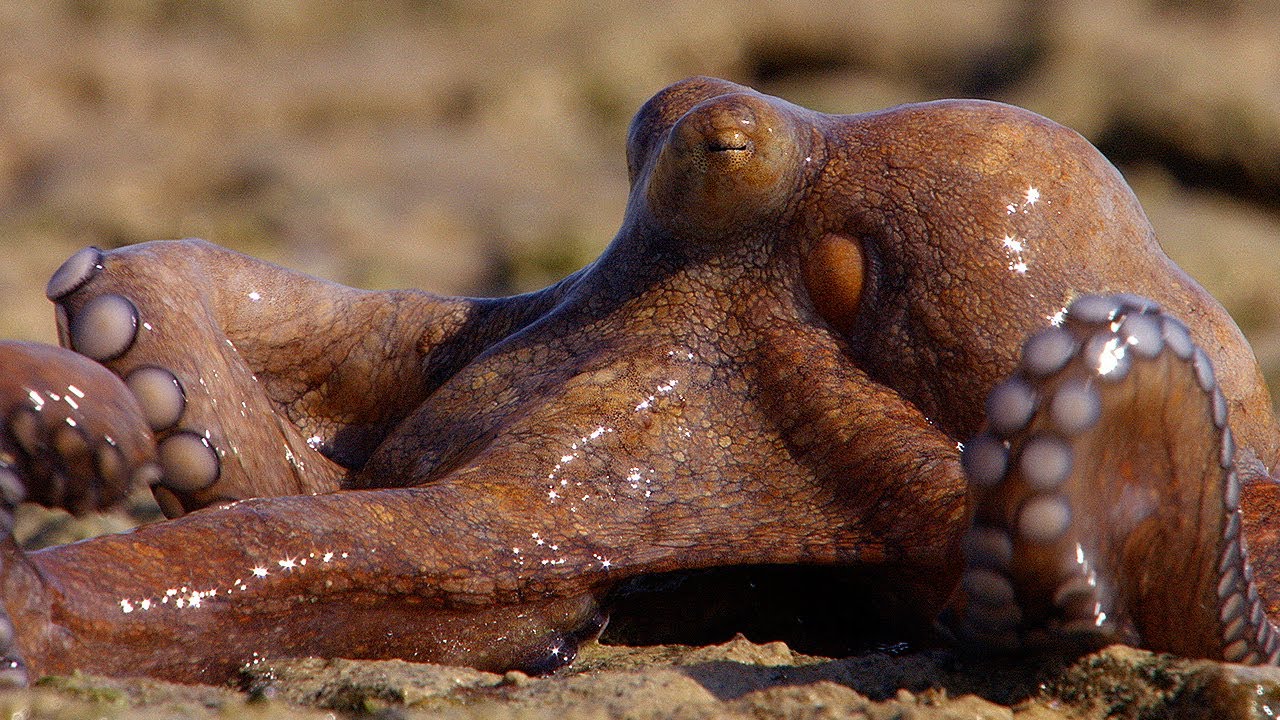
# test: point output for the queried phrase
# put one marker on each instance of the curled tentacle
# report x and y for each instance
(258, 380)
(1105, 497)
(149, 317)
(71, 434)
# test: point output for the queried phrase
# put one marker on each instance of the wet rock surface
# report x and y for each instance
(736, 679)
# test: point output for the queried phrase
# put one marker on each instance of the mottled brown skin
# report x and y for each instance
(772, 363)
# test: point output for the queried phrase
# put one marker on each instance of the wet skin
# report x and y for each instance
(775, 362)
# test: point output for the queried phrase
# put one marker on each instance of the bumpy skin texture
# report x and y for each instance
(774, 362)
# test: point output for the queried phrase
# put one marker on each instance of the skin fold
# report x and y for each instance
(776, 362)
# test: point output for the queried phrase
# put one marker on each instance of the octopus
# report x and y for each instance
(934, 351)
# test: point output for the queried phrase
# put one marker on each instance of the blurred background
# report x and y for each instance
(476, 147)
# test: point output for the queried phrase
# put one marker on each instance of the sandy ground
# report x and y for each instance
(477, 148)
(732, 681)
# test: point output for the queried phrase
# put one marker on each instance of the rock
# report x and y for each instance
(736, 679)
(362, 686)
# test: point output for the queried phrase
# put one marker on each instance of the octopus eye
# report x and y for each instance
(730, 159)
(728, 140)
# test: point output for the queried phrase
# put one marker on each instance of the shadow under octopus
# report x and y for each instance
(780, 362)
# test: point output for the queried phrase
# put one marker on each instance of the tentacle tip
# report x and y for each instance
(74, 273)
(556, 653)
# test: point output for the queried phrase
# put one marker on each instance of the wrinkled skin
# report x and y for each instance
(773, 363)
